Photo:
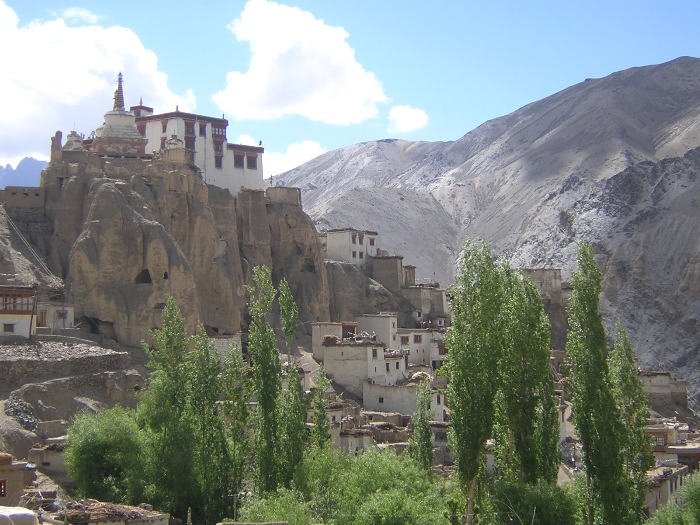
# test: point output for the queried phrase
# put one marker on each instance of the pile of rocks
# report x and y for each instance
(22, 412)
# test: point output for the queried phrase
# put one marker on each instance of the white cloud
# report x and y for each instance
(296, 154)
(59, 77)
(299, 66)
(78, 14)
(403, 119)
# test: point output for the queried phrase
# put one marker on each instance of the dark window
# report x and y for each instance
(387, 367)
(164, 125)
(417, 338)
(438, 399)
(381, 400)
(397, 365)
(8, 328)
(252, 162)
(3, 488)
(404, 339)
(202, 129)
(362, 254)
(371, 242)
(142, 130)
(238, 161)
(189, 128)
(162, 143)
(218, 162)
(374, 353)
(361, 239)
(189, 143)
(354, 255)
(354, 238)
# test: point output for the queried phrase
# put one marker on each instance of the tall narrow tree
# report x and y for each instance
(162, 410)
(292, 420)
(289, 313)
(321, 433)
(524, 366)
(420, 444)
(633, 406)
(596, 417)
(262, 346)
(474, 343)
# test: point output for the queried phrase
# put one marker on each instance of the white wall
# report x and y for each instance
(384, 326)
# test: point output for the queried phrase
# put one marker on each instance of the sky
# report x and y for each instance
(311, 76)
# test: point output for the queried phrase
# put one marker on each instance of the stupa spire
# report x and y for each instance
(119, 95)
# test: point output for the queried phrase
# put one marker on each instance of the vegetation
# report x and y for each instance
(187, 444)
(267, 383)
(420, 445)
(608, 405)
(103, 454)
(475, 342)
(500, 384)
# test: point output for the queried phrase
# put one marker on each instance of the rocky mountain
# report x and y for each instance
(26, 173)
(609, 161)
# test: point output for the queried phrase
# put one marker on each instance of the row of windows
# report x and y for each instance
(189, 129)
(17, 303)
(417, 338)
(355, 255)
(359, 239)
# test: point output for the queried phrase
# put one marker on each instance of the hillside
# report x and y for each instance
(585, 164)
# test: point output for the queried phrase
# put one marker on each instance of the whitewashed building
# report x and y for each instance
(230, 166)
(350, 245)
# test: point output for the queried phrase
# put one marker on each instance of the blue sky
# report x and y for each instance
(310, 76)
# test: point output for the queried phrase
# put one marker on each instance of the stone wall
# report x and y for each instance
(27, 369)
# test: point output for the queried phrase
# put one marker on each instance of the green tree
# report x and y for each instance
(420, 444)
(321, 432)
(292, 427)
(267, 370)
(163, 413)
(547, 432)
(103, 455)
(215, 477)
(236, 416)
(289, 313)
(633, 407)
(475, 343)
(524, 368)
(596, 418)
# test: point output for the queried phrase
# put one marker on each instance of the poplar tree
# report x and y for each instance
(213, 465)
(474, 342)
(420, 444)
(292, 419)
(162, 410)
(289, 313)
(262, 346)
(595, 413)
(321, 432)
(524, 370)
(633, 407)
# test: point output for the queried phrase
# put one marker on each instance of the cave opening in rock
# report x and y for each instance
(144, 277)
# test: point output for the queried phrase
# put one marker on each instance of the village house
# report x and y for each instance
(14, 476)
(17, 311)
(350, 245)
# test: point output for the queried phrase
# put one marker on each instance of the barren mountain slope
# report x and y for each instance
(537, 181)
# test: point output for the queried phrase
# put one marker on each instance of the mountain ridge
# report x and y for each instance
(609, 161)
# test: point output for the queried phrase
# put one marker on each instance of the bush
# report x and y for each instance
(103, 455)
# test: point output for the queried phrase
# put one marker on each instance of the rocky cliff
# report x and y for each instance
(128, 232)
